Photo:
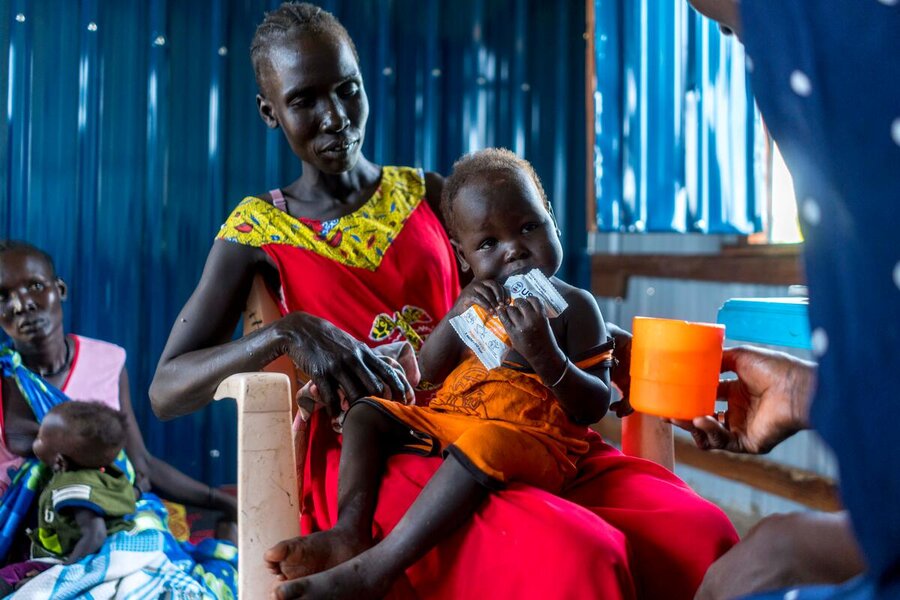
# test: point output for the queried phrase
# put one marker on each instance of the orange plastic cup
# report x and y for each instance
(675, 367)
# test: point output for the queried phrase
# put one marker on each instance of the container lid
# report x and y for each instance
(770, 321)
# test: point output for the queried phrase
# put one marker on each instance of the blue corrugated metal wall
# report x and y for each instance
(675, 125)
(131, 130)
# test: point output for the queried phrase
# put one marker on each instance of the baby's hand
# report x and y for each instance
(226, 530)
(487, 294)
(528, 327)
(620, 374)
(141, 483)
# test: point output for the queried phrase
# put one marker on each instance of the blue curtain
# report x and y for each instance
(675, 126)
(131, 130)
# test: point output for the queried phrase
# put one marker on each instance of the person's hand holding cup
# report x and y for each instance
(767, 402)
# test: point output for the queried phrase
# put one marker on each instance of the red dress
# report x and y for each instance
(623, 528)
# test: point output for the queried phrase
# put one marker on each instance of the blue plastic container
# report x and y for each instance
(770, 321)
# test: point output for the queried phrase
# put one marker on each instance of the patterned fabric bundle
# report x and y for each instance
(146, 562)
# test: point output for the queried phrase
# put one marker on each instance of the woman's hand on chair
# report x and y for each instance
(333, 360)
(311, 390)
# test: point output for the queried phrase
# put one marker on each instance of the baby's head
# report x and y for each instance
(499, 217)
(75, 435)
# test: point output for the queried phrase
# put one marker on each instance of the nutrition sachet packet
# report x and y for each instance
(483, 332)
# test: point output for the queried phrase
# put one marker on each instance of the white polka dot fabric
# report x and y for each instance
(811, 212)
(819, 341)
(801, 84)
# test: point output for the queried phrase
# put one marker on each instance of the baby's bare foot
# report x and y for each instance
(302, 556)
(350, 580)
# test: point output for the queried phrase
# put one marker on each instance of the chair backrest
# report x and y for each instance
(262, 309)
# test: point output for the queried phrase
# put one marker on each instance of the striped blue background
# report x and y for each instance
(678, 143)
(131, 129)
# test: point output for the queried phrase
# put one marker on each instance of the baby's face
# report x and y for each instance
(51, 442)
(502, 228)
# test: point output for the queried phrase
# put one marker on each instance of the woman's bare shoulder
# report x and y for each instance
(231, 259)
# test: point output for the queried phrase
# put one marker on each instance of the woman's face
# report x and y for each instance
(30, 297)
(314, 92)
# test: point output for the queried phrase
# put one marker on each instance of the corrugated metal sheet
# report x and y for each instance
(131, 130)
(676, 129)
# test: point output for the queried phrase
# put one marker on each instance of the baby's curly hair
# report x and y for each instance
(97, 431)
(476, 165)
(282, 22)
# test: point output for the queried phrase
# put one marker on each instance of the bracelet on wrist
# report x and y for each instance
(561, 375)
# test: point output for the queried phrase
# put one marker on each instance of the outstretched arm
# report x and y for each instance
(786, 551)
(134, 441)
(161, 477)
(93, 534)
(172, 484)
(198, 355)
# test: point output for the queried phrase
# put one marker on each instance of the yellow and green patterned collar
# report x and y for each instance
(359, 239)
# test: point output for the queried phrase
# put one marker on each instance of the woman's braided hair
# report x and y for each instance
(287, 19)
